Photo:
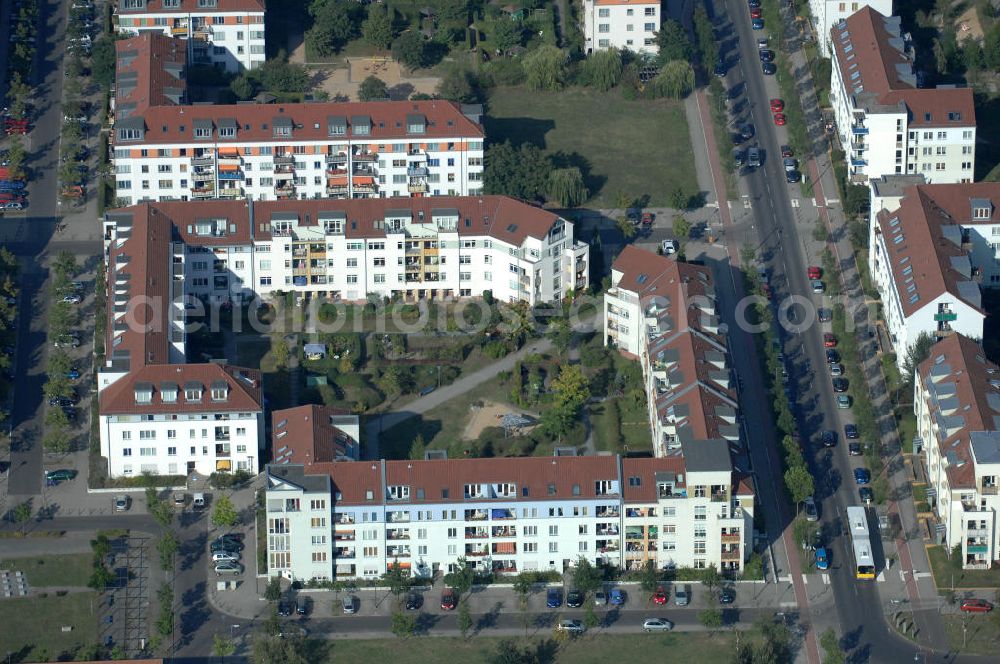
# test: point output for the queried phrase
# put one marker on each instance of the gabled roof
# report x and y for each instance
(309, 434)
(193, 7)
(964, 389)
(151, 71)
(924, 245)
(243, 390)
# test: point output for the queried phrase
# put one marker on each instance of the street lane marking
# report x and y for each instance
(831, 201)
(747, 205)
(805, 578)
(795, 202)
(826, 579)
(921, 575)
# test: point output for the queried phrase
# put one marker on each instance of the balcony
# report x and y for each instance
(604, 531)
(977, 548)
(501, 514)
(417, 171)
(364, 170)
(223, 451)
(476, 551)
(731, 538)
(340, 158)
(231, 192)
(336, 190)
(399, 517)
(417, 188)
(397, 552)
(344, 553)
(284, 189)
(500, 531)
(343, 518)
(946, 316)
(720, 497)
(988, 490)
(476, 533)
(859, 130)
(179, 31)
(344, 536)
(607, 546)
(608, 512)
(336, 172)
(729, 556)
(397, 534)
(364, 156)
(857, 161)
(231, 175)
(364, 188)
(284, 159)
(204, 160)
(202, 32)
(203, 192)
(504, 567)
(284, 169)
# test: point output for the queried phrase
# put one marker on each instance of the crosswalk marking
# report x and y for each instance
(826, 579)
(805, 578)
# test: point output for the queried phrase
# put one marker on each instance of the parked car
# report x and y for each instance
(832, 356)
(682, 596)
(975, 605)
(768, 68)
(600, 598)
(647, 218)
(862, 476)
(793, 177)
(837, 369)
(739, 157)
(786, 151)
(122, 503)
(822, 559)
(228, 567)
(553, 598)
(854, 449)
(302, 603)
(571, 626)
(866, 495)
(766, 55)
(851, 431)
(349, 604)
(779, 119)
(198, 502)
(227, 543)
(657, 625)
(660, 596)
(73, 374)
(727, 595)
(574, 599)
(617, 597)
(753, 157)
(284, 608)
(448, 600)
(747, 131)
(777, 105)
(60, 475)
(223, 554)
(839, 385)
(817, 286)
(414, 601)
(812, 513)
(720, 68)
(757, 24)
(829, 340)
(67, 342)
(843, 401)
(756, 12)
(792, 164)
(828, 438)
(72, 298)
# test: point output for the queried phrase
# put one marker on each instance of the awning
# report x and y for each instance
(223, 464)
(337, 179)
(229, 152)
(402, 565)
(229, 167)
(504, 547)
(364, 179)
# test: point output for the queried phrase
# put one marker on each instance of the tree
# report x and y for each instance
(991, 47)
(832, 652)
(397, 579)
(457, 86)
(57, 440)
(586, 577)
(335, 24)
(461, 579)
(805, 532)
(711, 579)
(377, 28)
(705, 36)
(649, 577)
(570, 387)
(403, 624)
(799, 482)
(916, 354)
(626, 227)
(566, 187)
(674, 80)
(373, 88)
(22, 514)
(545, 68)
(509, 651)
(16, 156)
(604, 68)
(243, 87)
(464, 618)
(102, 61)
(507, 34)
(590, 619)
(711, 619)
(682, 229)
(272, 592)
(522, 583)
(519, 172)
(157, 507)
(673, 42)
(222, 647)
(271, 649)
(409, 50)
(224, 513)
(167, 548)
(279, 75)
(279, 351)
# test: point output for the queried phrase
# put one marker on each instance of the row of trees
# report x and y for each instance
(63, 318)
(9, 293)
(21, 59)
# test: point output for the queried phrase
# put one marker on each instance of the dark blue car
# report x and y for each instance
(862, 476)
(553, 598)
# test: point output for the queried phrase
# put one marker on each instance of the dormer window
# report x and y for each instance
(143, 393)
(220, 390)
(399, 492)
(416, 124)
(982, 208)
(192, 391)
(361, 125)
(168, 393)
(336, 125)
(282, 131)
(227, 132)
(208, 3)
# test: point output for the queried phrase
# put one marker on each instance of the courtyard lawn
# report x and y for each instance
(639, 148)
(981, 634)
(704, 647)
(34, 625)
(946, 572)
(71, 569)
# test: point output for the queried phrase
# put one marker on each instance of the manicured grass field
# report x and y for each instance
(54, 570)
(678, 647)
(640, 148)
(37, 622)
(948, 571)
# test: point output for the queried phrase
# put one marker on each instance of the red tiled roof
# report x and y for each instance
(878, 63)
(925, 253)
(645, 469)
(743, 484)
(149, 54)
(971, 374)
(305, 435)
(353, 481)
(175, 124)
(244, 389)
(192, 7)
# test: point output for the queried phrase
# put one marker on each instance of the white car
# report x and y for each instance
(657, 625)
(571, 626)
(220, 556)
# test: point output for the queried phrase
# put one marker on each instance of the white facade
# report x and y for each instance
(234, 160)
(890, 126)
(228, 34)
(623, 24)
(345, 539)
(827, 13)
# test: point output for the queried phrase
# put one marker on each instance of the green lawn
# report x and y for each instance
(982, 634)
(948, 571)
(700, 646)
(34, 625)
(54, 570)
(641, 148)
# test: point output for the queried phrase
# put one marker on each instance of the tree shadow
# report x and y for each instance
(489, 619)
(401, 91)
(426, 622)
(519, 130)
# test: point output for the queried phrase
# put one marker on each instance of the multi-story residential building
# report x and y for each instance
(350, 249)
(957, 404)
(887, 124)
(150, 70)
(662, 312)
(623, 24)
(930, 255)
(228, 34)
(285, 151)
(827, 13)
(156, 413)
(314, 434)
(506, 515)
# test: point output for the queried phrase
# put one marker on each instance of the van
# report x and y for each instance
(198, 502)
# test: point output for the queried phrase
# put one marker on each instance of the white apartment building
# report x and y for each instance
(930, 255)
(506, 515)
(623, 24)
(827, 13)
(156, 413)
(957, 404)
(228, 34)
(350, 249)
(886, 123)
(300, 151)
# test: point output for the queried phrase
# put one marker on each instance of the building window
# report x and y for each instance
(603, 28)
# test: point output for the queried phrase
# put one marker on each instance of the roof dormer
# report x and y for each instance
(982, 208)
(193, 390)
(168, 392)
(220, 390)
(144, 393)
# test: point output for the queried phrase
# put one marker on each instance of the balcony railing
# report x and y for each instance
(477, 552)
(336, 190)
(205, 160)
(364, 156)
(989, 490)
(347, 536)
(399, 517)
(417, 171)
(417, 188)
(729, 538)
(284, 169)
(284, 190)
(730, 555)
(336, 158)
(284, 159)
(945, 316)
(859, 130)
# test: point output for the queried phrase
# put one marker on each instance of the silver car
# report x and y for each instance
(221, 556)
(657, 625)
(350, 604)
(600, 598)
(571, 626)
(681, 596)
(228, 567)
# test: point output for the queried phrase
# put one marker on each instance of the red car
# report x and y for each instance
(829, 340)
(448, 601)
(777, 105)
(659, 597)
(814, 272)
(756, 13)
(647, 218)
(976, 606)
(17, 129)
(779, 119)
